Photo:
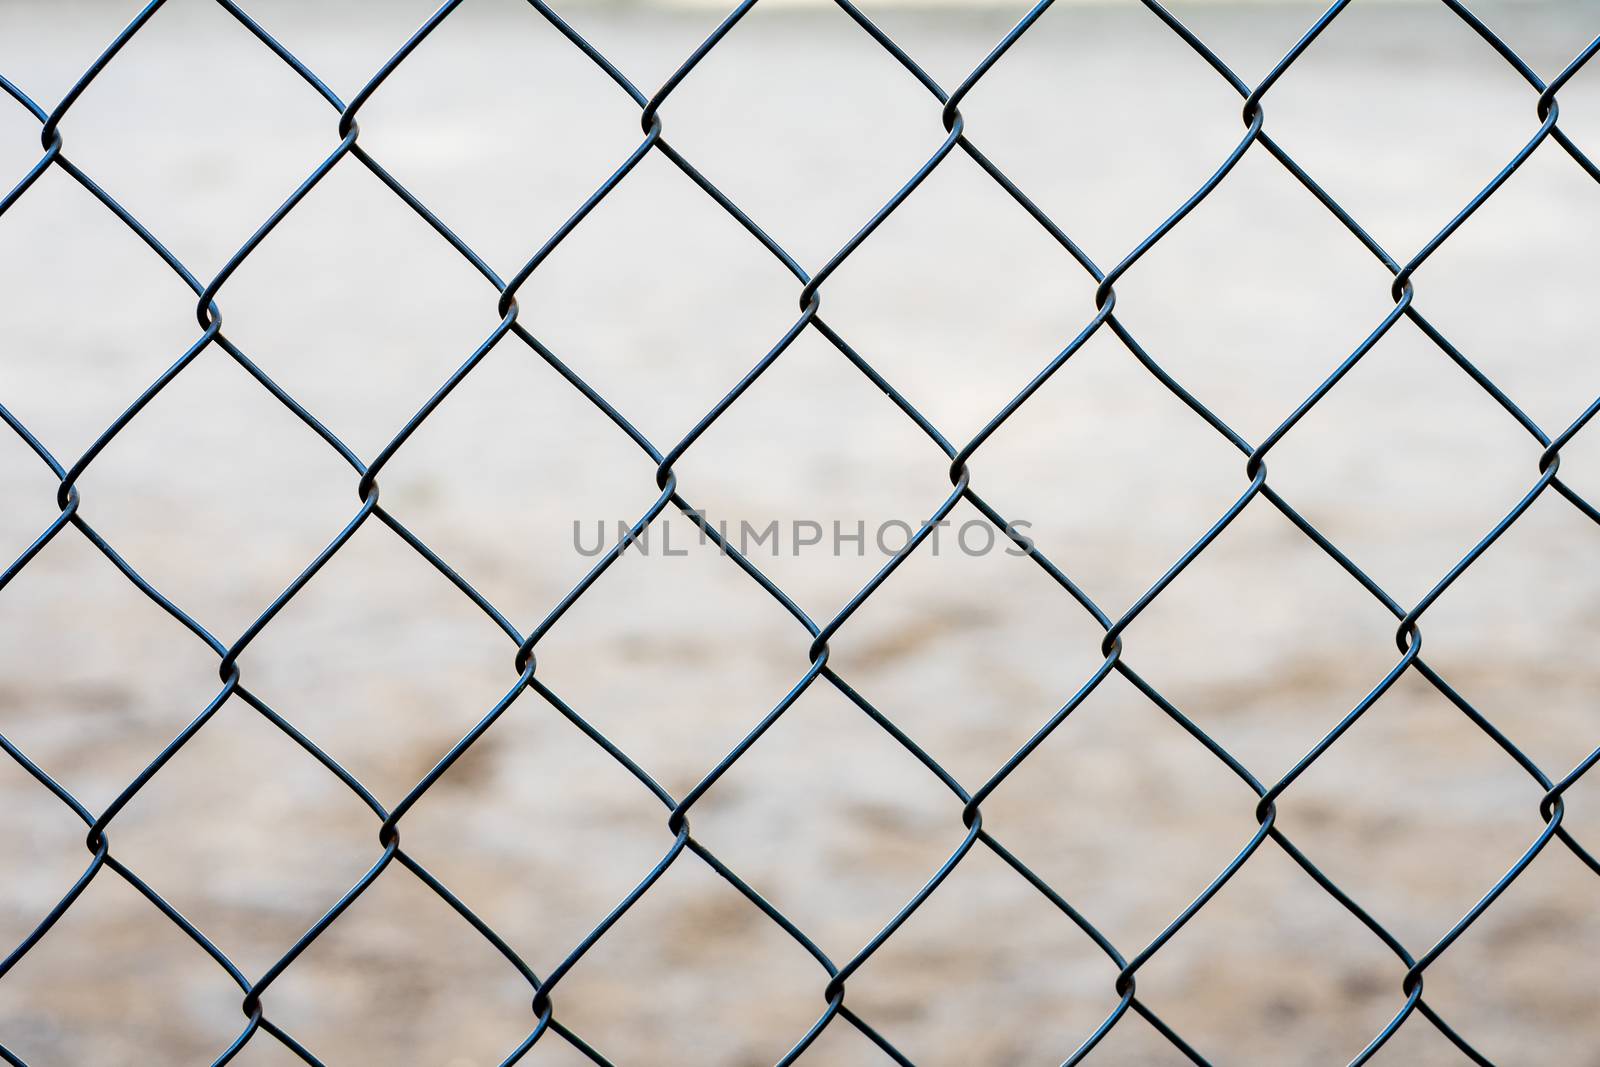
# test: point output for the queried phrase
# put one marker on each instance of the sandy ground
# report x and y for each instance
(219, 497)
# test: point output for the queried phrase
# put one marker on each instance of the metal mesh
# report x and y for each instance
(680, 846)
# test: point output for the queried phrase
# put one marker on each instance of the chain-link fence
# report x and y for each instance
(517, 335)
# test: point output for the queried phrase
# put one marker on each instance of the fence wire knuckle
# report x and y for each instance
(1122, 998)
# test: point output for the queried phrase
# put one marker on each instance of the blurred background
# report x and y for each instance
(660, 301)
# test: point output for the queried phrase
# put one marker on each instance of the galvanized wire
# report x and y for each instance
(1122, 998)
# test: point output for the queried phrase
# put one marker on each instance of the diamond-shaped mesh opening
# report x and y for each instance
(156, 492)
(511, 425)
(1206, 642)
(1238, 971)
(1181, 814)
(1516, 617)
(424, 309)
(1384, 847)
(84, 993)
(87, 656)
(625, 994)
(748, 113)
(663, 345)
(278, 838)
(1503, 968)
(1102, 430)
(831, 820)
(223, 83)
(320, 668)
(1155, 135)
(1403, 172)
(648, 618)
(1004, 665)
(418, 960)
(1337, 452)
(866, 488)
(79, 256)
(1522, 258)
(1023, 298)
(1251, 343)
(572, 127)
(990, 940)
(536, 896)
